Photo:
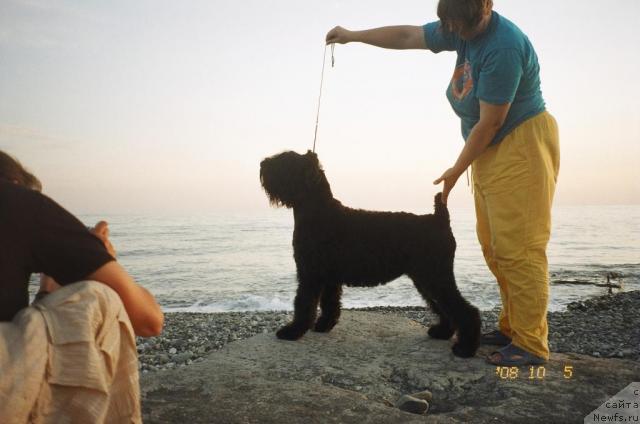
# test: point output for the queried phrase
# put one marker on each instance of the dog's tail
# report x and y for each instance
(440, 208)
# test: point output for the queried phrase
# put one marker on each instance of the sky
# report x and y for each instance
(168, 107)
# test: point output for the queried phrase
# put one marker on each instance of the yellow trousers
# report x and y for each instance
(514, 182)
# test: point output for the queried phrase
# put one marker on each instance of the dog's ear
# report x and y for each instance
(312, 171)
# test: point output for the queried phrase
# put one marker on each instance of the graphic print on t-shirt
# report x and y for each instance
(462, 81)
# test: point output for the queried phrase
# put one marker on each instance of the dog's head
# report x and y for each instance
(290, 178)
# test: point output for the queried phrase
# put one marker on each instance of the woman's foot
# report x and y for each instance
(47, 285)
(495, 338)
(514, 356)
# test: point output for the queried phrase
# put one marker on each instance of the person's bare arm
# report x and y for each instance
(397, 37)
(144, 312)
(492, 118)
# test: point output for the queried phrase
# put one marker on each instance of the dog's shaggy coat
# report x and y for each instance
(335, 245)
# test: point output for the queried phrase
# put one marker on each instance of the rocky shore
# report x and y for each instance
(364, 370)
(602, 327)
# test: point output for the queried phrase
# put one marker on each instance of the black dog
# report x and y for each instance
(335, 245)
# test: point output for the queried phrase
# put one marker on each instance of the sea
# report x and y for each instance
(244, 262)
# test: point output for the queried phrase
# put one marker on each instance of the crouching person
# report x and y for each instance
(71, 356)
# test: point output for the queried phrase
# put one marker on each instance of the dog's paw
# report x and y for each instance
(289, 332)
(463, 351)
(439, 331)
(324, 325)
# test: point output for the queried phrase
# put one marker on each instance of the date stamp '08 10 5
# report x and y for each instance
(533, 372)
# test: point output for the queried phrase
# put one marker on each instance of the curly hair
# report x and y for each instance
(462, 15)
(11, 170)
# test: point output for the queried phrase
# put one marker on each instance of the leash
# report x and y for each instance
(315, 133)
(324, 58)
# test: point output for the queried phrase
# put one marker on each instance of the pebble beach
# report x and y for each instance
(607, 326)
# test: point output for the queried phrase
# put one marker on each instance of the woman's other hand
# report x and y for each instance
(450, 177)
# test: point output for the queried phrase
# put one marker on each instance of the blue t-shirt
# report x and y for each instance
(498, 66)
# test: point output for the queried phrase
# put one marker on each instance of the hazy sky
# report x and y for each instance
(164, 106)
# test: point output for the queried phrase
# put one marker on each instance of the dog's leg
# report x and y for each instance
(444, 329)
(455, 313)
(305, 310)
(330, 306)
(465, 318)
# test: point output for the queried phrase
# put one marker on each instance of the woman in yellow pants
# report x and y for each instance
(514, 183)
(512, 142)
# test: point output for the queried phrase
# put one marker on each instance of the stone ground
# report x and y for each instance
(356, 373)
(606, 326)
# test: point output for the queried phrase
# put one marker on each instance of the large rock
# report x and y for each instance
(357, 373)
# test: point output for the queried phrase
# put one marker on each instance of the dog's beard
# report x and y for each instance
(274, 199)
(274, 185)
(288, 181)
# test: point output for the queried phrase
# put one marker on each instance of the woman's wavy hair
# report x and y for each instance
(11, 170)
(462, 15)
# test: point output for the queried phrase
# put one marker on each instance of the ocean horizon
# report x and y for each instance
(244, 262)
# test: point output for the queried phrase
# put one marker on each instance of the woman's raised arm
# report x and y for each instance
(399, 37)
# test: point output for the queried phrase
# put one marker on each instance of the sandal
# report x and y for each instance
(495, 338)
(513, 356)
